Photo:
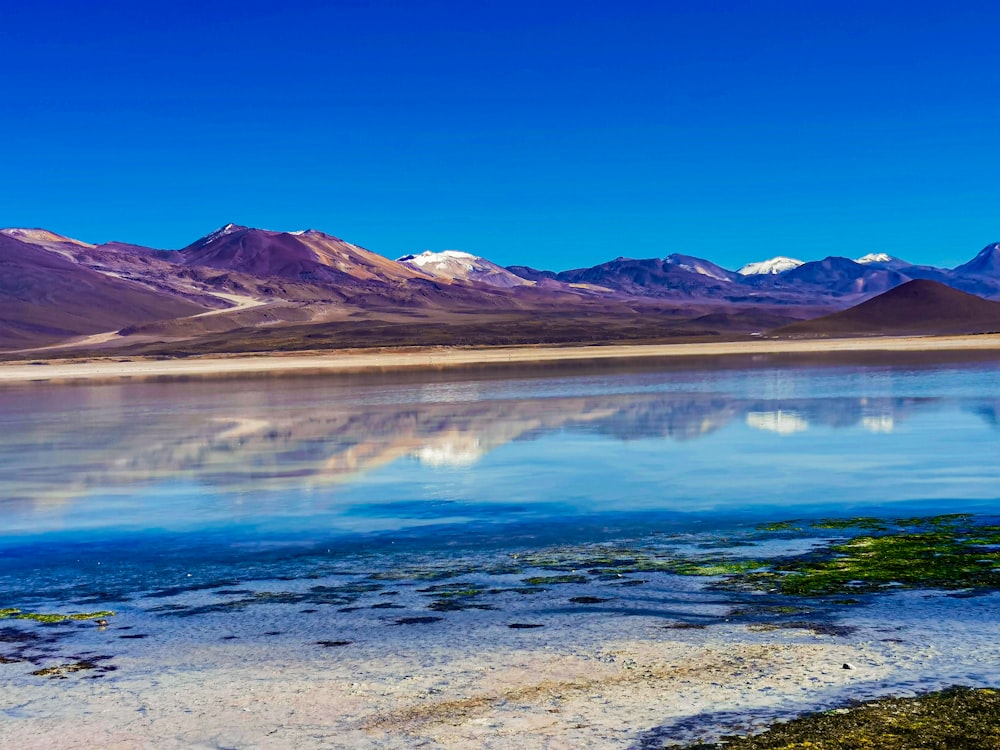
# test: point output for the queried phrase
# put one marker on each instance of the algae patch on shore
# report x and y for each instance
(16, 614)
(957, 719)
(944, 552)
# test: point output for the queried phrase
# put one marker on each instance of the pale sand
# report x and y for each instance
(446, 357)
(504, 698)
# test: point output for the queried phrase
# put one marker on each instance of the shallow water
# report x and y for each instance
(395, 524)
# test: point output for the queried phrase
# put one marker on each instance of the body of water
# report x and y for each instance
(390, 538)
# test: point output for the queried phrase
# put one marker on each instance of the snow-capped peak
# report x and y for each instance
(874, 258)
(443, 258)
(776, 265)
(455, 264)
(222, 232)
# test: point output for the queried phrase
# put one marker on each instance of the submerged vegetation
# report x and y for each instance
(944, 552)
(953, 719)
(11, 613)
(59, 671)
(835, 562)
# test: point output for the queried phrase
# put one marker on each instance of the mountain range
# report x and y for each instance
(245, 289)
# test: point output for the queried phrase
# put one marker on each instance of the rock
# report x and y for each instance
(847, 665)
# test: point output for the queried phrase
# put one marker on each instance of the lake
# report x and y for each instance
(492, 559)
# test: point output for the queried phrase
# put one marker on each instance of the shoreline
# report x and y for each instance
(356, 361)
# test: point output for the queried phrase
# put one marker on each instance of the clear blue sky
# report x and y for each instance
(554, 134)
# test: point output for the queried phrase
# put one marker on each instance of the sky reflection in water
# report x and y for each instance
(340, 457)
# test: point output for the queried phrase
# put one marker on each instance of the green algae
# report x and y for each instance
(928, 559)
(778, 526)
(863, 555)
(861, 522)
(445, 590)
(523, 590)
(16, 614)
(954, 719)
(554, 580)
(715, 568)
(452, 597)
(949, 552)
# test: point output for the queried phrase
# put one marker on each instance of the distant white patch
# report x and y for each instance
(456, 452)
(443, 258)
(874, 258)
(222, 232)
(781, 422)
(883, 423)
(777, 265)
(701, 270)
(455, 264)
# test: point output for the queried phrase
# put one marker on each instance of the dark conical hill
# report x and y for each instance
(917, 307)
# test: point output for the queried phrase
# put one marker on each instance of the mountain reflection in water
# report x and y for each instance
(60, 445)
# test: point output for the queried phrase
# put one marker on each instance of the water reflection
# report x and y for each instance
(240, 441)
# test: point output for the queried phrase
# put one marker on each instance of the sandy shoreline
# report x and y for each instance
(603, 692)
(357, 361)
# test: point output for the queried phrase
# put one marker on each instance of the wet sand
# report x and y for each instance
(594, 682)
(552, 694)
(440, 358)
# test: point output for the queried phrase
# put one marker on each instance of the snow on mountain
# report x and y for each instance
(221, 232)
(699, 266)
(780, 264)
(874, 258)
(458, 265)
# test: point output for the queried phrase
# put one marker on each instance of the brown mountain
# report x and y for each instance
(309, 256)
(46, 297)
(917, 307)
(244, 289)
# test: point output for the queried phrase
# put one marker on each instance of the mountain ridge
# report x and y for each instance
(238, 280)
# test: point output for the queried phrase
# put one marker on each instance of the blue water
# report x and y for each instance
(258, 474)
(323, 521)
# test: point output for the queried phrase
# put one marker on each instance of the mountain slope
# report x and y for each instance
(676, 276)
(914, 308)
(45, 297)
(770, 267)
(457, 265)
(986, 262)
(309, 256)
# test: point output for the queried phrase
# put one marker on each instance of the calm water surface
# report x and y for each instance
(329, 510)
(238, 470)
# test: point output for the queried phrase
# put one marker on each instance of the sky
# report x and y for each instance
(547, 133)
